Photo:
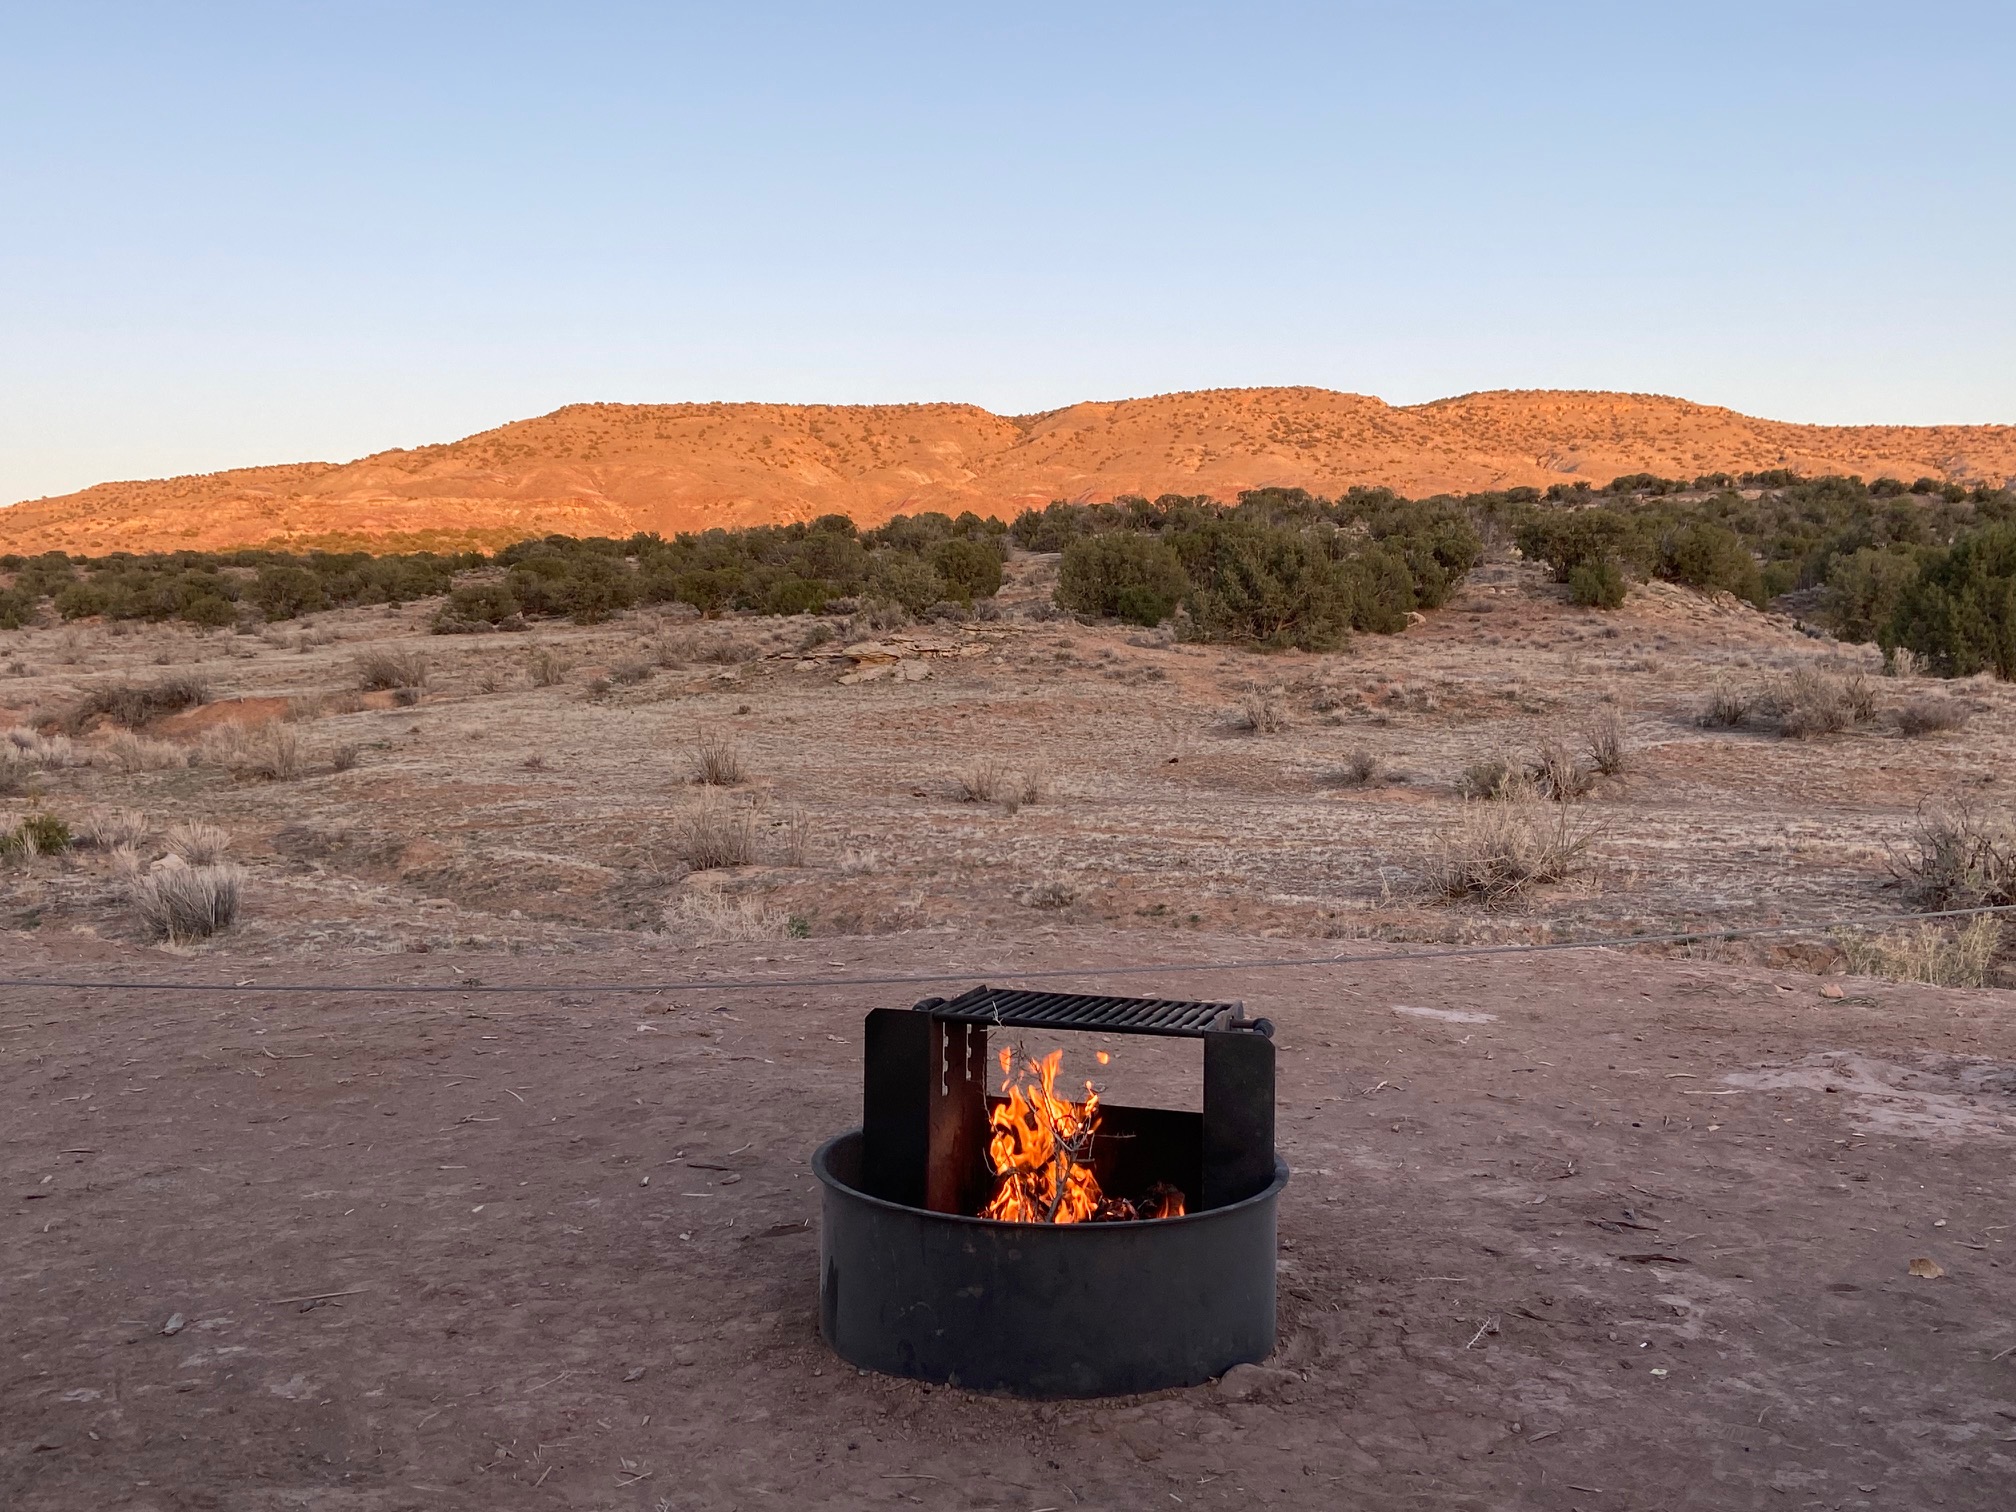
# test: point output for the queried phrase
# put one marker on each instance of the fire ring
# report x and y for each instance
(914, 1283)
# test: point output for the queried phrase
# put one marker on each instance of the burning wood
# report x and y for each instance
(1040, 1151)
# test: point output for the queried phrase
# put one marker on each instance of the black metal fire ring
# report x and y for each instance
(1042, 1310)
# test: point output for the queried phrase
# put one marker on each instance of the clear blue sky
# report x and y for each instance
(240, 233)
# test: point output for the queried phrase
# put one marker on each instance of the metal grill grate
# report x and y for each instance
(1011, 1008)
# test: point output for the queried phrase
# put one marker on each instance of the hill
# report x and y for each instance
(613, 469)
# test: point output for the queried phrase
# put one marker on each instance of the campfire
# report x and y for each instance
(1040, 1151)
(991, 1225)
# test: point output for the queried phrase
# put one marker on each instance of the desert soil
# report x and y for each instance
(566, 1247)
(524, 1321)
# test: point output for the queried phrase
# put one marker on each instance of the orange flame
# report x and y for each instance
(1040, 1150)
(1040, 1147)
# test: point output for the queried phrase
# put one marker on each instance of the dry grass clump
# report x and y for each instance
(197, 843)
(137, 753)
(1556, 773)
(979, 782)
(178, 902)
(717, 760)
(714, 915)
(1939, 957)
(1496, 851)
(1492, 778)
(386, 669)
(1259, 714)
(1728, 708)
(1360, 769)
(113, 829)
(548, 668)
(1051, 892)
(989, 781)
(713, 833)
(1931, 714)
(135, 704)
(31, 748)
(792, 834)
(36, 835)
(268, 752)
(1958, 857)
(1609, 751)
(1806, 703)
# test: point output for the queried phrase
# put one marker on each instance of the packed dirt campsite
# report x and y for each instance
(485, 937)
(1046, 758)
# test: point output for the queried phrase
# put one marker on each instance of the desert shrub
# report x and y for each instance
(716, 760)
(178, 902)
(268, 752)
(1712, 558)
(478, 606)
(548, 668)
(714, 833)
(792, 837)
(197, 843)
(1265, 585)
(1609, 750)
(980, 782)
(1496, 851)
(1960, 614)
(1493, 777)
(1127, 577)
(382, 670)
(1930, 714)
(36, 835)
(908, 581)
(284, 592)
(969, 569)
(1808, 703)
(1049, 892)
(713, 915)
(1360, 769)
(136, 753)
(1259, 713)
(1727, 708)
(136, 704)
(1556, 773)
(1864, 589)
(1596, 537)
(113, 829)
(627, 674)
(1940, 956)
(1597, 585)
(31, 748)
(1958, 856)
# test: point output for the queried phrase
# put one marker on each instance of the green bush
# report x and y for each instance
(969, 569)
(906, 580)
(1135, 578)
(1266, 585)
(477, 604)
(1597, 585)
(1864, 590)
(37, 835)
(1960, 614)
(1711, 558)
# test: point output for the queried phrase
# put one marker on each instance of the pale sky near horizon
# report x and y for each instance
(264, 232)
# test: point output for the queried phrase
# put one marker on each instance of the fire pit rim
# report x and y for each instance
(822, 1168)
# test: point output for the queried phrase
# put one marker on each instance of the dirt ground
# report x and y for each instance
(528, 799)
(358, 1249)
(564, 1245)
